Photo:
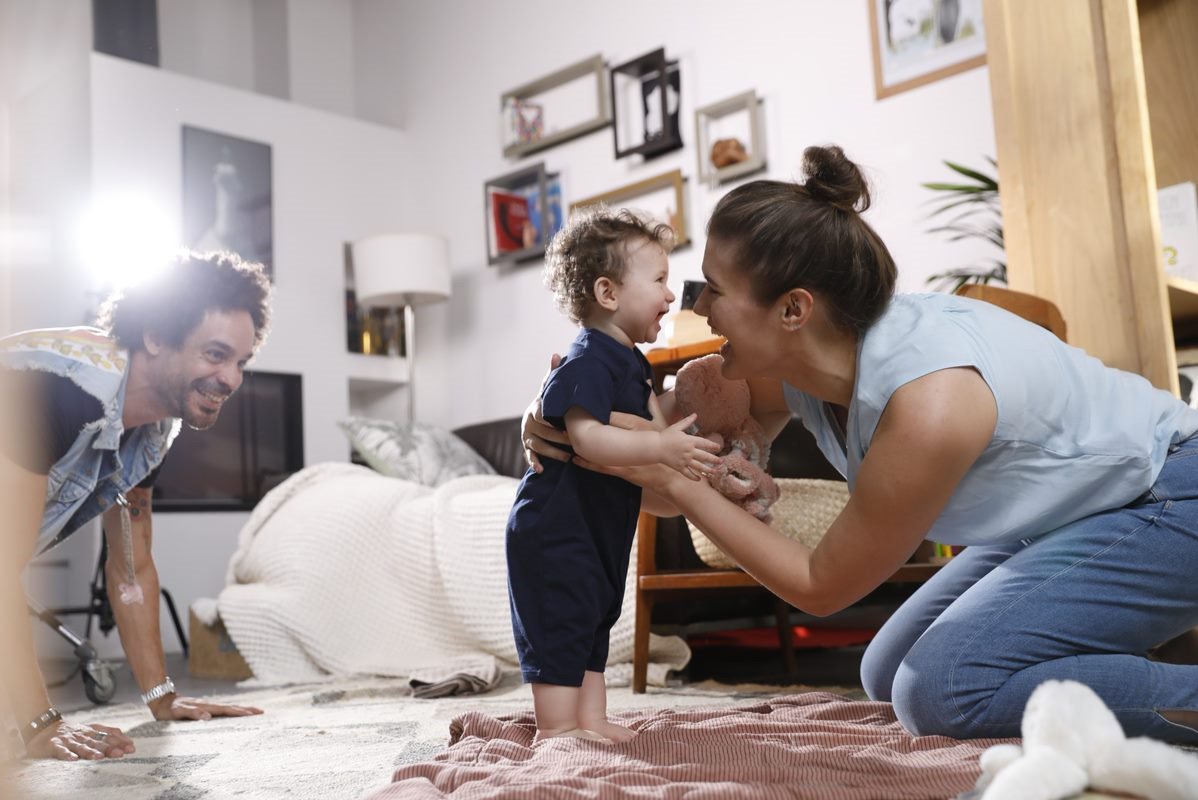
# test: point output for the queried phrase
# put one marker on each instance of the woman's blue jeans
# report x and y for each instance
(1085, 602)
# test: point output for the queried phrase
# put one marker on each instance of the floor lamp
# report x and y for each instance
(403, 269)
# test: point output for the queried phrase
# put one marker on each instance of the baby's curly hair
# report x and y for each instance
(589, 247)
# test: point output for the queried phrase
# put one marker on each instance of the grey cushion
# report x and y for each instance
(421, 453)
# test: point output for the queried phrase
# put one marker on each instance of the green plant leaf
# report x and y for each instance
(985, 180)
(974, 212)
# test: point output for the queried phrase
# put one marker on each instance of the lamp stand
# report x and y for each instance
(409, 333)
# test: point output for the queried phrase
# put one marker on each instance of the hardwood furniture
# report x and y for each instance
(1034, 309)
(654, 583)
(1095, 106)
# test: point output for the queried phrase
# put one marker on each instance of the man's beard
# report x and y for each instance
(204, 420)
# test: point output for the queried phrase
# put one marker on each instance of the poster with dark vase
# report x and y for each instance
(227, 196)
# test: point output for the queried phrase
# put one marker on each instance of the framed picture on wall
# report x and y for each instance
(730, 138)
(227, 201)
(646, 102)
(559, 107)
(523, 212)
(661, 198)
(916, 42)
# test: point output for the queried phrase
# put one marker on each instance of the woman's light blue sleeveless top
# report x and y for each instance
(1073, 438)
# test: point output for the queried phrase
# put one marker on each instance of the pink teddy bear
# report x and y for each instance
(723, 409)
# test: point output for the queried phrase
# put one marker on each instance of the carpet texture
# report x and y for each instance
(325, 740)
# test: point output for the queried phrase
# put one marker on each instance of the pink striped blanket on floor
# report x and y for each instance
(812, 745)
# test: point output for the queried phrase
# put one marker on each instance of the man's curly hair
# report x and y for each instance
(592, 245)
(173, 301)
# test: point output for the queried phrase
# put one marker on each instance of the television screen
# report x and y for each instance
(256, 444)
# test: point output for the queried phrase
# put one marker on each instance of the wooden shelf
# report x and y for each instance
(684, 352)
(1183, 299)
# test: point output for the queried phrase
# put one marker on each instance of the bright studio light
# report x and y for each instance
(125, 237)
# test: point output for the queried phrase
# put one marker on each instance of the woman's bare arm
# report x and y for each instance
(932, 431)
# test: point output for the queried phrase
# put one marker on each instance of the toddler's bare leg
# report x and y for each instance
(556, 709)
(592, 709)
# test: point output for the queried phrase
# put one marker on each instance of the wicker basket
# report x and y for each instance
(805, 509)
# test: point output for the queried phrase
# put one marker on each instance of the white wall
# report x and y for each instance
(212, 40)
(320, 40)
(450, 61)
(335, 180)
(300, 50)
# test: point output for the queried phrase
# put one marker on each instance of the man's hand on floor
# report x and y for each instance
(176, 707)
(67, 741)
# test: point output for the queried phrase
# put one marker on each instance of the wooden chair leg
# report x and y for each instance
(640, 640)
(786, 637)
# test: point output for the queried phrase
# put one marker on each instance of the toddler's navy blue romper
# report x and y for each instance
(569, 534)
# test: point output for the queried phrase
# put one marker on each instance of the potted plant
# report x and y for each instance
(975, 214)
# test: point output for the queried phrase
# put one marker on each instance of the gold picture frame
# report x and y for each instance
(663, 198)
(918, 42)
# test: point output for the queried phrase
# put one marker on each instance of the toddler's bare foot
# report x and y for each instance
(575, 733)
(614, 732)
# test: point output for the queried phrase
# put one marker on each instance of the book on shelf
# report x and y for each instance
(509, 220)
(1178, 206)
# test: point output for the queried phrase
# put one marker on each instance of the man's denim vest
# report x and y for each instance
(98, 467)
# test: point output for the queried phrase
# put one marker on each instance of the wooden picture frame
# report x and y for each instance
(561, 106)
(662, 197)
(735, 125)
(523, 212)
(917, 42)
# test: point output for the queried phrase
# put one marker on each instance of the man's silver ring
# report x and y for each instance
(100, 734)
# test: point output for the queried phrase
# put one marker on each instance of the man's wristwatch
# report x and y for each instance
(44, 720)
(159, 691)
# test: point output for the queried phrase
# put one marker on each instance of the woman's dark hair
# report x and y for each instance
(173, 301)
(811, 236)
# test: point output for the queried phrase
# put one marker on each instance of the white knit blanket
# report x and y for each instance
(343, 571)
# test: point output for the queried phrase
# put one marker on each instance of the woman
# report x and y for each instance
(1073, 484)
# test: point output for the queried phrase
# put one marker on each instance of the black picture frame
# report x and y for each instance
(227, 196)
(646, 122)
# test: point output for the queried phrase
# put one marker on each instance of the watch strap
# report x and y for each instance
(159, 691)
(43, 721)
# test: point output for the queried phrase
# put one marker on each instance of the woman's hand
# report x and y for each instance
(67, 741)
(656, 478)
(537, 435)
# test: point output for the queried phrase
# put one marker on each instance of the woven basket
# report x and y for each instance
(805, 509)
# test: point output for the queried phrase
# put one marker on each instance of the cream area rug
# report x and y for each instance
(322, 740)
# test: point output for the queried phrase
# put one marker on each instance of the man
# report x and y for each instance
(93, 412)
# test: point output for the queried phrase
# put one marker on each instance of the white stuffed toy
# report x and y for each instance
(1071, 742)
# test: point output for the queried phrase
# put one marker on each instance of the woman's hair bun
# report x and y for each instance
(832, 178)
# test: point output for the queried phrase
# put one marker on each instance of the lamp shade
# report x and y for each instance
(401, 269)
